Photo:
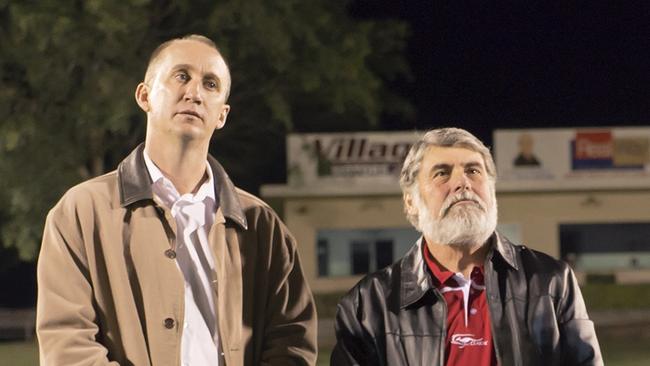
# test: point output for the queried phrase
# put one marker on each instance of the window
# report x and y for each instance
(384, 253)
(360, 257)
(606, 246)
(359, 251)
(323, 257)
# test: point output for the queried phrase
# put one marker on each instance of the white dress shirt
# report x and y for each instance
(194, 215)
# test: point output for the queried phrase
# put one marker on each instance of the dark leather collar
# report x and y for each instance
(416, 281)
(504, 248)
(135, 185)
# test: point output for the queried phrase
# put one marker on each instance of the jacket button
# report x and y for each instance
(169, 323)
(169, 253)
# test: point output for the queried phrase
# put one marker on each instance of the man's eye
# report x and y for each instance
(210, 85)
(439, 173)
(473, 171)
(181, 76)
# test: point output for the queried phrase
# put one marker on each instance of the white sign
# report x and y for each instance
(576, 158)
(356, 158)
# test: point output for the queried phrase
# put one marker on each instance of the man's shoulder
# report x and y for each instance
(540, 262)
(97, 189)
(100, 186)
(383, 277)
(253, 206)
(378, 284)
(535, 261)
(251, 201)
(257, 212)
(407, 269)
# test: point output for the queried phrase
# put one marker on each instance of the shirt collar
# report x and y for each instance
(154, 172)
(206, 190)
(440, 274)
(415, 277)
(134, 185)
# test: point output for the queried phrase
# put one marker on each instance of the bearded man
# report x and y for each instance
(463, 294)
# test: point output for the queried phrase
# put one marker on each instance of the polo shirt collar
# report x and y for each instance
(416, 281)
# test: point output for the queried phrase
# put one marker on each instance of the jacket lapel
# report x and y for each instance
(133, 178)
(227, 197)
(416, 282)
(227, 281)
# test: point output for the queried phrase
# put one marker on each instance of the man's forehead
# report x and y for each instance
(452, 155)
(193, 54)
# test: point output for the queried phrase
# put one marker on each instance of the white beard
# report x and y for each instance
(464, 225)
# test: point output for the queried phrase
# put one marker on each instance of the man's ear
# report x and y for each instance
(223, 116)
(409, 206)
(142, 96)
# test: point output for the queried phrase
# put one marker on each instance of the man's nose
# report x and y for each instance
(461, 182)
(193, 92)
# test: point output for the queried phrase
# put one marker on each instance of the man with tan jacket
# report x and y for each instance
(164, 261)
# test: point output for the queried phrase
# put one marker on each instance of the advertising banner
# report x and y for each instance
(575, 159)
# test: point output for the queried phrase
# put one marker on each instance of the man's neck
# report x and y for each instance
(458, 259)
(183, 164)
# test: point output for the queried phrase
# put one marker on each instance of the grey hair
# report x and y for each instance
(441, 137)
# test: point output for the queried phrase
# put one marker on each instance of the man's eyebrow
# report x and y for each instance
(473, 164)
(181, 67)
(211, 75)
(446, 166)
(441, 166)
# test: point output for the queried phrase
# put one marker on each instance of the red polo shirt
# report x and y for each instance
(469, 339)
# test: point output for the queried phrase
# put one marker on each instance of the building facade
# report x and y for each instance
(582, 195)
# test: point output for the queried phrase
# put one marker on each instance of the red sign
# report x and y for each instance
(594, 145)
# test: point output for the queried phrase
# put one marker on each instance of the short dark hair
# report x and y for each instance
(189, 37)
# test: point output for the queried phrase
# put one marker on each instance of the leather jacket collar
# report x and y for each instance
(416, 281)
(135, 185)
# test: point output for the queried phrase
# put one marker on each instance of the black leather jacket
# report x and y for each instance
(396, 316)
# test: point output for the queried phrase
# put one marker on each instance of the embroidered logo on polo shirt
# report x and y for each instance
(464, 340)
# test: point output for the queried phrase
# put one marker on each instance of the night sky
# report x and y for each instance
(522, 64)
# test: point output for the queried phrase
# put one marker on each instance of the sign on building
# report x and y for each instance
(573, 158)
(355, 159)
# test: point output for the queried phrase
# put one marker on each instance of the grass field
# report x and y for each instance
(623, 351)
(19, 353)
(617, 351)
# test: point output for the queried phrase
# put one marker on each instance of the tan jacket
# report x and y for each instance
(110, 293)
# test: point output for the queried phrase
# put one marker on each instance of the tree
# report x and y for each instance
(69, 69)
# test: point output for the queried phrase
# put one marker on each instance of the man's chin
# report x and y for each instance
(189, 133)
(463, 243)
(460, 230)
(464, 208)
